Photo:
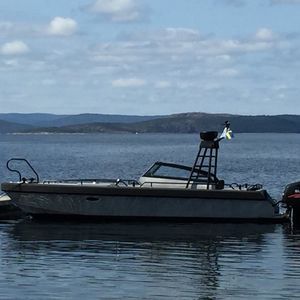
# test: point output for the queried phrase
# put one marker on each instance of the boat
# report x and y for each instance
(166, 191)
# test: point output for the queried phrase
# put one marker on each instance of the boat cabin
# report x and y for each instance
(162, 174)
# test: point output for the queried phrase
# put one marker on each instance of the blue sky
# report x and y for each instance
(150, 56)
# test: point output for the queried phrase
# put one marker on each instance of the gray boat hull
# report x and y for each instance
(134, 203)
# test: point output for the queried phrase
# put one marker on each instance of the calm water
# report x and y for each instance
(151, 260)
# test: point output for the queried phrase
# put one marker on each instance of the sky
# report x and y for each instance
(146, 57)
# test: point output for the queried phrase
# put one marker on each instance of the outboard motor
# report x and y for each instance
(291, 197)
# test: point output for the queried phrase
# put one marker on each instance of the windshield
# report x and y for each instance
(167, 170)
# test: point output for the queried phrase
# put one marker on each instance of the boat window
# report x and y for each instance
(168, 171)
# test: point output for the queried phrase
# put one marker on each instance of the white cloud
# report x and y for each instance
(281, 96)
(280, 87)
(170, 65)
(62, 26)
(235, 3)
(185, 84)
(5, 26)
(128, 82)
(179, 43)
(180, 33)
(240, 3)
(162, 84)
(223, 58)
(274, 2)
(117, 10)
(245, 46)
(48, 81)
(229, 72)
(11, 62)
(264, 34)
(192, 60)
(14, 48)
(11, 29)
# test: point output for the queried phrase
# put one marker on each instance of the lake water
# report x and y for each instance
(150, 260)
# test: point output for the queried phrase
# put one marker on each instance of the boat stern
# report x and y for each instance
(291, 198)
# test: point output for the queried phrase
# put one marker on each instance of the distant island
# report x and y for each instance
(193, 122)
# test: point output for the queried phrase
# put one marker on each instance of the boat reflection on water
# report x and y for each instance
(190, 261)
(137, 231)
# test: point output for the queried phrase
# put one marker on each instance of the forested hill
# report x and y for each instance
(182, 123)
(50, 120)
(10, 127)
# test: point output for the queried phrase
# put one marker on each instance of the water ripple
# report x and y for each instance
(151, 260)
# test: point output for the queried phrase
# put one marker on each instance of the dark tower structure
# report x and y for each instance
(205, 167)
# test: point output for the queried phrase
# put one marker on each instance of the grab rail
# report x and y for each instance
(117, 182)
(19, 173)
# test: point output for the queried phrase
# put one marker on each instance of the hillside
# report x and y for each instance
(34, 119)
(52, 120)
(9, 127)
(189, 123)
